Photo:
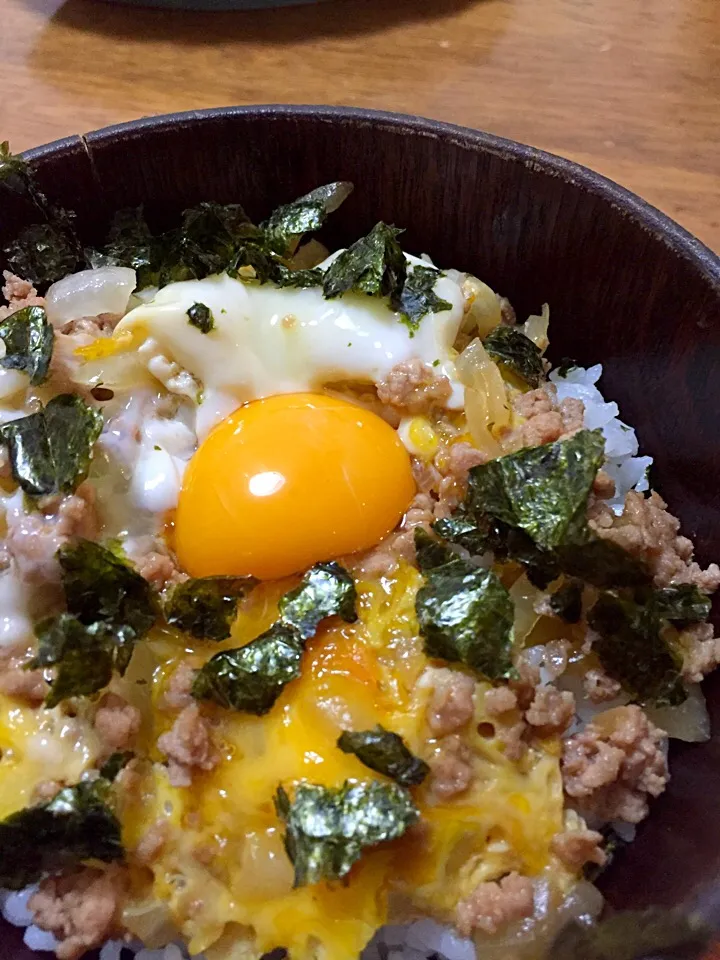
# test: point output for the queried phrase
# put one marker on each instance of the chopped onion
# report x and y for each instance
(536, 328)
(524, 597)
(689, 721)
(12, 382)
(151, 922)
(482, 307)
(90, 293)
(486, 404)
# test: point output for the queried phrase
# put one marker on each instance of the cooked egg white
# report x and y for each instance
(268, 340)
(223, 871)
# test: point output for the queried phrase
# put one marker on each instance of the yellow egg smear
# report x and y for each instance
(37, 748)
(222, 879)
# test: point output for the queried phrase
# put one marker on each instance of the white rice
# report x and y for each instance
(424, 939)
(629, 471)
(418, 941)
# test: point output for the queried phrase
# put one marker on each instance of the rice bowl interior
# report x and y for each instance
(467, 626)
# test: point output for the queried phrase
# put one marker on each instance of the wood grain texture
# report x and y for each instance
(626, 287)
(629, 88)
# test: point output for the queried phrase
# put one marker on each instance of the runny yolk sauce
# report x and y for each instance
(223, 860)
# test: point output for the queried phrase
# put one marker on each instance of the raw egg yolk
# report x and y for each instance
(288, 481)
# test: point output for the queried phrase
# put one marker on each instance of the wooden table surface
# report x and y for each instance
(629, 87)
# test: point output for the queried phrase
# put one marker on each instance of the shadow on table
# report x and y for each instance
(280, 25)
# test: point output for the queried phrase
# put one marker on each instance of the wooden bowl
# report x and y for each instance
(626, 285)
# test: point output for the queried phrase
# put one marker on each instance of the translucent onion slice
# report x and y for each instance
(689, 721)
(482, 307)
(524, 596)
(486, 404)
(150, 921)
(90, 293)
(536, 328)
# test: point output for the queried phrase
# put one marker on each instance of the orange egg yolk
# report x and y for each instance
(288, 481)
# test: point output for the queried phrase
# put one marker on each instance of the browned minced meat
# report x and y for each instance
(551, 711)
(5, 469)
(500, 700)
(546, 420)
(701, 651)
(501, 703)
(154, 562)
(599, 687)
(46, 790)
(613, 765)
(176, 695)
(577, 847)
(603, 485)
(647, 531)
(101, 325)
(19, 294)
(129, 781)
(188, 746)
(439, 492)
(524, 710)
(451, 767)
(22, 684)
(33, 538)
(117, 723)
(80, 908)
(507, 312)
(494, 905)
(414, 386)
(384, 559)
(451, 703)
(152, 842)
(461, 458)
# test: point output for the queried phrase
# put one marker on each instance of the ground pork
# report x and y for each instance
(450, 706)
(176, 695)
(457, 461)
(451, 768)
(492, 906)
(384, 559)
(501, 703)
(414, 386)
(426, 475)
(647, 531)
(46, 790)
(19, 294)
(556, 655)
(22, 684)
(440, 490)
(101, 325)
(152, 842)
(551, 711)
(34, 536)
(509, 727)
(500, 700)
(577, 847)
(545, 420)
(613, 765)
(599, 687)
(117, 723)
(522, 711)
(80, 908)
(507, 312)
(153, 562)
(188, 746)
(603, 485)
(701, 651)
